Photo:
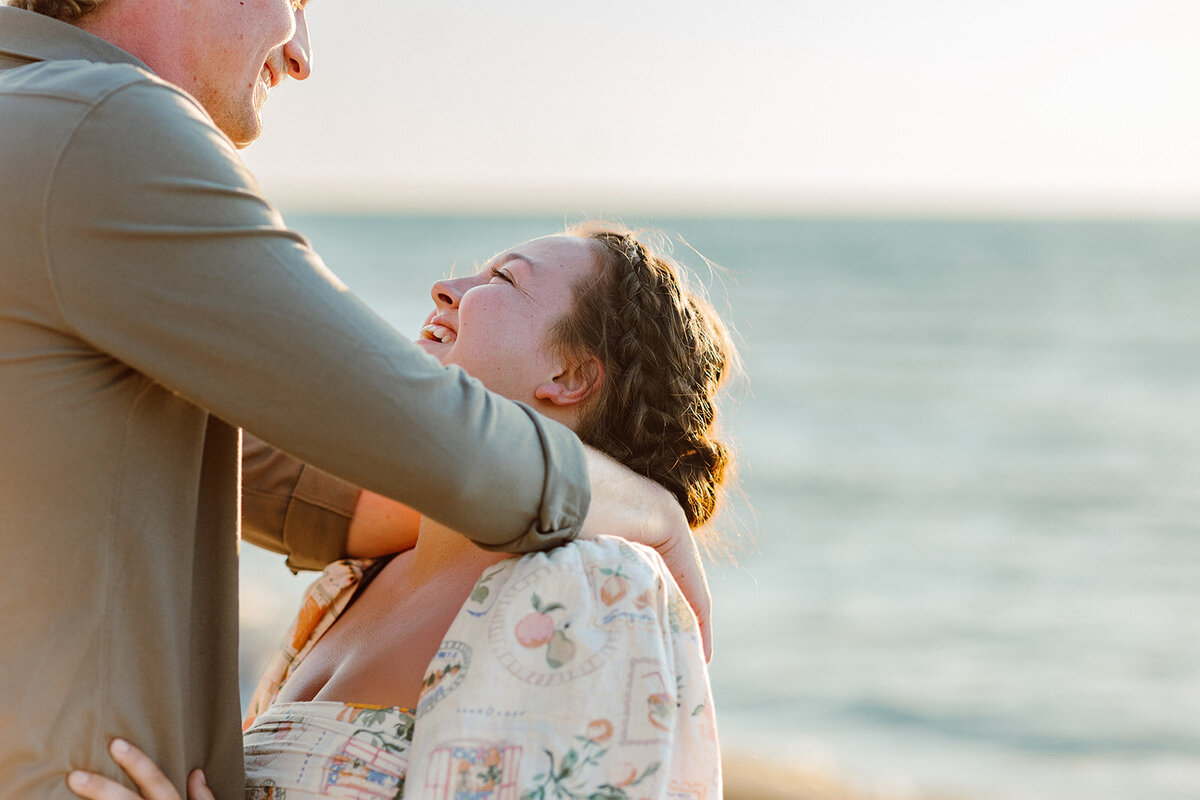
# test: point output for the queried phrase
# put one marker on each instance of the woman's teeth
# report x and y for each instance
(439, 333)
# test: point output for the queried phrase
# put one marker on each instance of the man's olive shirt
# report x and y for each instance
(151, 304)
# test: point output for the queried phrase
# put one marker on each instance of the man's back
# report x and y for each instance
(97, 505)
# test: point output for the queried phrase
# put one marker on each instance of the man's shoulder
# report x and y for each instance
(99, 104)
(85, 82)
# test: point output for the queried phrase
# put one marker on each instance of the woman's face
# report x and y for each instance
(494, 324)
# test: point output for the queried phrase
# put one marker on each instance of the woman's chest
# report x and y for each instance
(378, 650)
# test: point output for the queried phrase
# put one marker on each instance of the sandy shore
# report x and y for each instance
(749, 777)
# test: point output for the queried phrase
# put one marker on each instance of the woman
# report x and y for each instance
(458, 672)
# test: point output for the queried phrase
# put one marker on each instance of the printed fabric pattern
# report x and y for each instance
(325, 749)
(571, 674)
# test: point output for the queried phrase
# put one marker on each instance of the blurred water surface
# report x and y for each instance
(971, 479)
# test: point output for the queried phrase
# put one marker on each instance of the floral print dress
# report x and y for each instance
(576, 673)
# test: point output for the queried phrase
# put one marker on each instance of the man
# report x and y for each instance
(151, 304)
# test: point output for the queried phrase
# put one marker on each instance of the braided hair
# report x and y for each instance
(65, 10)
(664, 353)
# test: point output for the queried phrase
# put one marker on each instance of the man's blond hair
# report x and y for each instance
(66, 10)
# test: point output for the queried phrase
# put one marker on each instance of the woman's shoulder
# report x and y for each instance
(584, 657)
(596, 560)
(600, 548)
(604, 579)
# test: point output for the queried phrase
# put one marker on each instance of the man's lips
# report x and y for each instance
(270, 75)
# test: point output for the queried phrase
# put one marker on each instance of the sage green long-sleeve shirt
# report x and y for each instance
(151, 303)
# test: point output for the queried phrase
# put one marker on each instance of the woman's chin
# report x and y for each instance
(438, 350)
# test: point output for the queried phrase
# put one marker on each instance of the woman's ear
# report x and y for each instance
(574, 384)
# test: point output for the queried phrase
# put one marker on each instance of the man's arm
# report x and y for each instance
(163, 254)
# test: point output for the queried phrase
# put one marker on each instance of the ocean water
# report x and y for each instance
(969, 505)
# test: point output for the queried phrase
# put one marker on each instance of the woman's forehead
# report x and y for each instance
(548, 252)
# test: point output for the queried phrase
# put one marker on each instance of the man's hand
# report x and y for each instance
(150, 780)
(638, 509)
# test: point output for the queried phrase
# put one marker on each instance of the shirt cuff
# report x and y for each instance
(293, 508)
(566, 492)
(318, 519)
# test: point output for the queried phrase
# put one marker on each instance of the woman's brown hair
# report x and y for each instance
(664, 352)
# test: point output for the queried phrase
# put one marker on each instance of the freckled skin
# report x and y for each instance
(501, 327)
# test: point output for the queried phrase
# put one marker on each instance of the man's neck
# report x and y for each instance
(152, 32)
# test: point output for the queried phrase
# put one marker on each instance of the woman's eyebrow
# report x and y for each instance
(516, 257)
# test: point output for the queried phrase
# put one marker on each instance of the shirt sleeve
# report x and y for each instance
(294, 508)
(163, 254)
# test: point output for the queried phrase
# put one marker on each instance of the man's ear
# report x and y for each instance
(574, 384)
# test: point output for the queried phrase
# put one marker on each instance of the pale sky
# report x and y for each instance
(949, 106)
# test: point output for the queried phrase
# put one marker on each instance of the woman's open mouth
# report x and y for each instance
(438, 333)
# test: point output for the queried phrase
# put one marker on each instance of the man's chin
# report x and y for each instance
(245, 138)
(243, 130)
(239, 118)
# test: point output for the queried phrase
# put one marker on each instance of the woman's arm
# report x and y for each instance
(381, 526)
(637, 509)
(150, 780)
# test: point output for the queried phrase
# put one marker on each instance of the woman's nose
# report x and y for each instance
(297, 53)
(447, 293)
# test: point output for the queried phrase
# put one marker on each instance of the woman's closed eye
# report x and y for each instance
(503, 274)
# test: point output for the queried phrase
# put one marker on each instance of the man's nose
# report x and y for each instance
(297, 52)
